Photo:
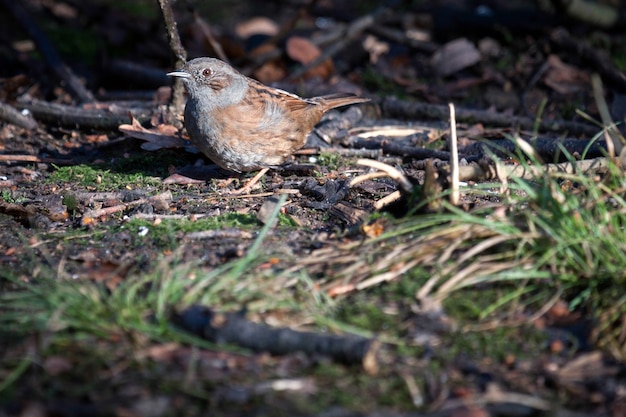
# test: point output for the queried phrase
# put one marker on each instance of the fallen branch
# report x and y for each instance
(391, 172)
(11, 115)
(233, 328)
(161, 200)
(476, 172)
(392, 107)
(78, 117)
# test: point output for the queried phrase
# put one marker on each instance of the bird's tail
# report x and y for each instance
(340, 99)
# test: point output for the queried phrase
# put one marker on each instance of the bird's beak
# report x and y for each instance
(179, 73)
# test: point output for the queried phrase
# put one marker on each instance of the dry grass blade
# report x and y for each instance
(393, 173)
(454, 159)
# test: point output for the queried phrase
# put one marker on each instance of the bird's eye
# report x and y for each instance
(206, 72)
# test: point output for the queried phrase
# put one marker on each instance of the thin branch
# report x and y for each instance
(11, 115)
(178, 52)
(78, 117)
(393, 107)
(392, 172)
(52, 57)
(206, 31)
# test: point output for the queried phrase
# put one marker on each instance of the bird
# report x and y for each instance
(243, 125)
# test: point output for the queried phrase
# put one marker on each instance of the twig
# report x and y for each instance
(178, 51)
(476, 172)
(161, 217)
(414, 152)
(454, 159)
(388, 199)
(543, 148)
(77, 117)
(233, 328)
(32, 158)
(52, 57)
(11, 115)
(231, 233)
(393, 107)
(614, 139)
(160, 199)
(349, 152)
(530, 85)
(396, 175)
(206, 31)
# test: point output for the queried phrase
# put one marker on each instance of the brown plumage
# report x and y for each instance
(243, 125)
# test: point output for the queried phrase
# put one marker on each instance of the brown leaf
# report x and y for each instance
(257, 26)
(272, 70)
(455, 56)
(181, 180)
(304, 51)
(164, 136)
(564, 78)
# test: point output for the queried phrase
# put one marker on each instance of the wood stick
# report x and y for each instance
(235, 329)
(11, 115)
(393, 107)
(178, 51)
(51, 56)
(78, 117)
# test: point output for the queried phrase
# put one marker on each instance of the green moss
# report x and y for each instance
(356, 390)
(497, 344)
(365, 312)
(329, 160)
(7, 196)
(70, 201)
(102, 179)
(168, 232)
(286, 221)
(234, 220)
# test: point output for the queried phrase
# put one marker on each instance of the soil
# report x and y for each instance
(77, 208)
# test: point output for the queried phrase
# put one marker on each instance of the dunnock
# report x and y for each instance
(243, 125)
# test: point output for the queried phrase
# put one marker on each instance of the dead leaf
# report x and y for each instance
(272, 70)
(181, 180)
(564, 78)
(374, 229)
(257, 26)
(163, 136)
(455, 56)
(304, 51)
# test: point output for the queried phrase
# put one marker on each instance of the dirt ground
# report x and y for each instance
(93, 203)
